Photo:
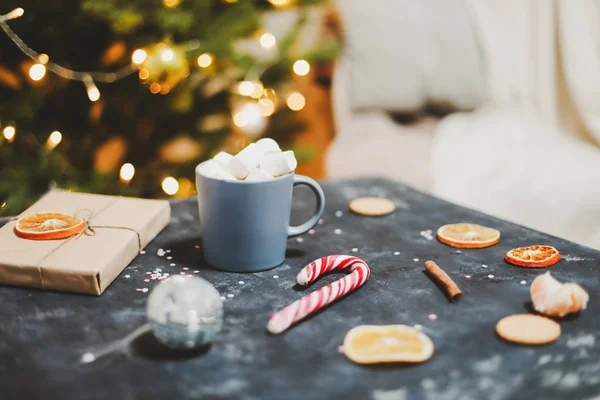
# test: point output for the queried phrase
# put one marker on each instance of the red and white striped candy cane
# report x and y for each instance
(359, 273)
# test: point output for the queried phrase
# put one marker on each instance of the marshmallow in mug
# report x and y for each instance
(245, 160)
(278, 164)
(215, 170)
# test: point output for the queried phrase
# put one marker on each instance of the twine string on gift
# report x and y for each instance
(89, 230)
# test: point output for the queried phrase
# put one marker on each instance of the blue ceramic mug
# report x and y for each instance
(245, 225)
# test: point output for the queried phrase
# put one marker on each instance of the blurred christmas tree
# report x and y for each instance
(191, 77)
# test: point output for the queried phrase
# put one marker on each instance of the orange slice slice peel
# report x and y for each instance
(537, 256)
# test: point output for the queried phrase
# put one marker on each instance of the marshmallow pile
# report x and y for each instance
(260, 161)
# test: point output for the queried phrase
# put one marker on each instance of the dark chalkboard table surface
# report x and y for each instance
(44, 334)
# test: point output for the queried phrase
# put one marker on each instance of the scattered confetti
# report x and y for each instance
(144, 290)
(523, 282)
(127, 276)
(483, 266)
(299, 240)
(153, 278)
(168, 251)
(321, 221)
(338, 214)
(337, 231)
(340, 349)
(157, 270)
(415, 259)
(172, 264)
(143, 252)
(396, 253)
(491, 276)
(354, 250)
(241, 282)
(276, 276)
(230, 296)
(432, 317)
(418, 327)
(148, 273)
(160, 252)
(168, 258)
(146, 280)
(165, 275)
(196, 271)
(222, 298)
(196, 247)
(311, 232)
(468, 276)
(185, 268)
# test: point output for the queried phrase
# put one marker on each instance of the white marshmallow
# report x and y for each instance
(268, 145)
(224, 159)
(256, 175)
(248, 158)
(279, 163)
(213, 169)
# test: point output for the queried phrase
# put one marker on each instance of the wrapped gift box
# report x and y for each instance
(86, 263)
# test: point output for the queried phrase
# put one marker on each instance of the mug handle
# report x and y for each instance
(314, 186)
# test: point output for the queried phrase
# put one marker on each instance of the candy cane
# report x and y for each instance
(359, 273)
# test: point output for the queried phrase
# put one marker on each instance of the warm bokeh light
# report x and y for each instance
(267, 40)
(127, 172)
(155, 88)
(296, 101)
(257, 91)
(43, 58)
(167, 55)
(92, 91)
(279, 3)
(171, 3)
(164, 88)
(37, 72)
(204, 60)
(144, 74)
(170, 185)
(138, 56)
(250, 119)
(266, 107)
(301, 67)
(16, 13)
(9, 133)
(54, 139)
(246, 88)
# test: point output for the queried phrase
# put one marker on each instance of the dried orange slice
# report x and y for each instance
(533, 256)
(48, 226)
(370, 344)
(468, 236)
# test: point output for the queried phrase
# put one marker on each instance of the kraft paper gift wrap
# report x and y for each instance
(85, 263)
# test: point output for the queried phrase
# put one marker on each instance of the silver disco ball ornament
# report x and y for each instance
(185, 312)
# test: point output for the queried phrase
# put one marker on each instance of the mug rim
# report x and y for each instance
(242, 182)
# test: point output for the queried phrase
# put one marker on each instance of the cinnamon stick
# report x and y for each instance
(436, 272)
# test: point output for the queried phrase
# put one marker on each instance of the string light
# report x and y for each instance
(155, 88)
(246, 88)
(296, 101)
(279, 3)
(53, 140)
(257, 91)
(16, 13)
(167, 55)
(171, 3)
(138, 56)
(204, 60)
(266, 107)
(43, 63)
(127, 172)
(92, 90)
(144, 74)
(170, 185)
(301, 67)
(9, 133)
(267, 40)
